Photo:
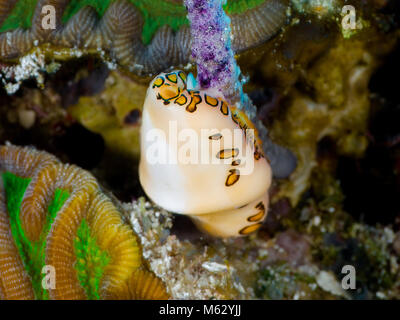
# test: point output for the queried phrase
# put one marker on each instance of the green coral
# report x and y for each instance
(240, 6)
(91, 261)
(75, 5)
(20, 16)
(155, 13)
(32, 253)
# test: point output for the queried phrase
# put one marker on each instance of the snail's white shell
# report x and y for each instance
(197, 160)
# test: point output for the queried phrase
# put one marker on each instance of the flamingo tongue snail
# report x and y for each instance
(215, 171)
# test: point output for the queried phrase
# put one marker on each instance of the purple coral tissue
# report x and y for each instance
(211, 47)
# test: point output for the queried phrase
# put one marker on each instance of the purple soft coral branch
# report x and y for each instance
(211, 48)
(217, 69)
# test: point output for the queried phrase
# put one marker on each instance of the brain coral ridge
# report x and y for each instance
(61, 237)
(143, 36)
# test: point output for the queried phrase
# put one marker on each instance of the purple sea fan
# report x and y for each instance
(211, 48)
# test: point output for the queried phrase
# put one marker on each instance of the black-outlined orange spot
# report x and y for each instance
(216, 136)
(260, 206)
(259, 215)
(233, 177)
(228, 153)
(234, 117)
(211, 101)
(239, 119)
(182, 75)
(224, 108)
(256, 217)
(172, 77)
(249, 229)
(181, 100)
(236, 162)
(166, 102)
(196, 99)
(158, 82)
(168, 93)
(257, 154)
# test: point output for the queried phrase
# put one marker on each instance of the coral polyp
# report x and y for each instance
(145, 37)
(56, 222)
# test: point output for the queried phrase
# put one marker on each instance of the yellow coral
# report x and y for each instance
(59, 217)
